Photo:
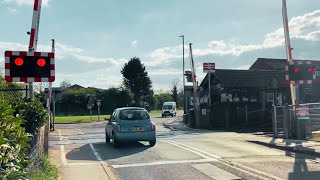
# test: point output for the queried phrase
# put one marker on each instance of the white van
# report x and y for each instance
(169, 109)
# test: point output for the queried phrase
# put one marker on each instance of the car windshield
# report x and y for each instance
(133, 114)
(167, 107)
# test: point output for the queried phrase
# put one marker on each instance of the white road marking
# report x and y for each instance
(195, 149)
(95, 153)
(80, 132)
(62, 152)
(234, 165)
(61, 137)
(195, 152)
(82, 164)
(163, 163)
(63, 156)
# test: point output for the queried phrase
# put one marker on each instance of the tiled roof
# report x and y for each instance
(249, 78)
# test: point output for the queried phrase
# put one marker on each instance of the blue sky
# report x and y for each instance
(95, 38)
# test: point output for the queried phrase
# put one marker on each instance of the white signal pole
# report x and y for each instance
(293, 88)
(195, 87)
(34, 34)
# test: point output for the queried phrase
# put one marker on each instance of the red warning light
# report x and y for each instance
(41, 62)
(310, 70)
(18, 61)
(296, 70)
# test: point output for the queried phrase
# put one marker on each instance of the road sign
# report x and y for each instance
(209, 67)
(22, 66)
(301, 72)
(303, 113)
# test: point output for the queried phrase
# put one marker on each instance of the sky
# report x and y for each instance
(94, 39)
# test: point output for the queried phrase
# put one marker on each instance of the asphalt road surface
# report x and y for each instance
(82, 153)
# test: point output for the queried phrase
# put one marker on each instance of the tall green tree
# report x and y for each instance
(135, 78)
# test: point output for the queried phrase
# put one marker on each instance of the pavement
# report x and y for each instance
(80, 152)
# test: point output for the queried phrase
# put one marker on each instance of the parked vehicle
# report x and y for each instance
(130, 124)
(169, 109)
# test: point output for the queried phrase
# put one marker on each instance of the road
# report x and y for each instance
(81, 152)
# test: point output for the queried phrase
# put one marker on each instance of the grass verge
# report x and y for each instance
(315, 139)
(78, 119)
(155, 113)
(46, 172)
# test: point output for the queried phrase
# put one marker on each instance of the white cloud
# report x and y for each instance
(12, 10)
(12, 46)
(62, 50)
(164, 55)
(165, 71)
(90, 59)
(304, 27)
(25, 2)
(305, 37)
(134, 43)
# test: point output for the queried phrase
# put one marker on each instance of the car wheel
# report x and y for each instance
(107, 138)
(152, 143)
(114, 141)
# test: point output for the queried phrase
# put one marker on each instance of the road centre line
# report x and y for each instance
(188, 149)
(234, 165)
(163, 163)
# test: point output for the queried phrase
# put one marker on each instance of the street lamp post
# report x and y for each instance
(183, 78)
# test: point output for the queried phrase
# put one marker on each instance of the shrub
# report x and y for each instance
(33, 113)
(13, 143)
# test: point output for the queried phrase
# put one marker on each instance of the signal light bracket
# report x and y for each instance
(20, 61)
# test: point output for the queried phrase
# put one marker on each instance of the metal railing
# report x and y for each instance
(296, 121)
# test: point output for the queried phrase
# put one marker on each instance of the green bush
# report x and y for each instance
(13, 143)
(33, 113)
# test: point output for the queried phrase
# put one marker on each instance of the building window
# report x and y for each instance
(270, 97)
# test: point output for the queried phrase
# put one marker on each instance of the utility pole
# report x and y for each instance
(195, 87)
(183, 78)
(34, 35)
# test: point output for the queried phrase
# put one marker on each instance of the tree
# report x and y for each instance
(161, 98)
(174, 90)
(65, 84)
(135, 78)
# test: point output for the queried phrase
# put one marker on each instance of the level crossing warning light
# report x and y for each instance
(22, 66)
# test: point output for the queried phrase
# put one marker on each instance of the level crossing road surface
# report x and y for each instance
(80, 152)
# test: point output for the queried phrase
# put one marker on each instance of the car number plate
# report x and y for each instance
(137, 129)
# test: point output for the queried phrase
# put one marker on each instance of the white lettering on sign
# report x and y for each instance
(303, 113)
(317, 73)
